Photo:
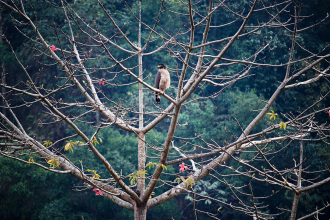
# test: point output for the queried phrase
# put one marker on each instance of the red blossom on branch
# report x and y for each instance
(102, 81)
(54, 48)
(329, 113)
(182, 167)
(98, 192)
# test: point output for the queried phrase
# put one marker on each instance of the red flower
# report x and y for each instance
(182, 167)
(102, 81)
(53, 48)
(98, 192)
(329, 113)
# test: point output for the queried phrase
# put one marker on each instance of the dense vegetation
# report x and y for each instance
(29, 192)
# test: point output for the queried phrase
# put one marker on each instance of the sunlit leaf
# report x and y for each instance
(142, 173)
(54, 162)
(153, 193)
(163, 166)
(31, 160)
(68, 146)
(95, 142)
(272, 115)
(97, 176)
(177, 180)
(150, 164)
(190, 182)
(133, 178)
(283, 125)
(47, 143)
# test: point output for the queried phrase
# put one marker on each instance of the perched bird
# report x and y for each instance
(162, 80)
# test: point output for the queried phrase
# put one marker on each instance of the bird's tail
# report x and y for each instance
(157, 98)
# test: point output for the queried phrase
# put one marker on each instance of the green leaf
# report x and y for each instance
(47, 143)
(133, 178)
(163, 166)
(53, 162)
(177, 180)
(150, 164)
(190, 182)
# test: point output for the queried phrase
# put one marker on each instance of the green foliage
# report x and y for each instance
(133, 177)
(172, 211)
(150, 164)
(53, 162)
(29, 192)
(190, 182)
(215, 119)
(205, 187)
(60, 209)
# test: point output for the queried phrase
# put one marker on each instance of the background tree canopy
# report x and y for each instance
(30, 192)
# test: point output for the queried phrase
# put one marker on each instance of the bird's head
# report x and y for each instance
(161, 66)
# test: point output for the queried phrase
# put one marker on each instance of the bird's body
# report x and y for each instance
(162, 81)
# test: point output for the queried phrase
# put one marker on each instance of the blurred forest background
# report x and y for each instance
(29, 192)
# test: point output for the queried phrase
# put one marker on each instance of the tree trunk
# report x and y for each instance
(297, 195)
(140, 212)
(141, 162)
(294, 206)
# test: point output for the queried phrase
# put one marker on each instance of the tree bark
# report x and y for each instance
(141, 162)
(140, 212)
(297, 195)
(294, 206)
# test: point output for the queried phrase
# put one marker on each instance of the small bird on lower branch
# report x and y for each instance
(162, 81)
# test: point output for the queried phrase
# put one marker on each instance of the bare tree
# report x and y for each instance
(198, 64)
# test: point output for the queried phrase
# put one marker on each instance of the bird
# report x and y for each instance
(162, 81)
